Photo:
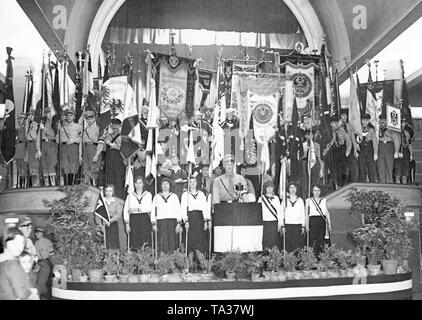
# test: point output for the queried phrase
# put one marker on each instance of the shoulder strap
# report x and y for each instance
(65, 132)
(269, 206)
(221, 180)
(115, 138)
(317, 206)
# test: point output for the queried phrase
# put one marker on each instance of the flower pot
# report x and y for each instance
(255, 276)
(83, 278)
(298, 275)
(206, 277)
(333, 274)
(390, 266)
(164, 278)
(315, 275)
(360, 271)
(110, 278)
(133, 279)
(290, 275)
(307, 274)
(231, 276)
(374, 269)
(282, 276)
(174, 278)
(267, 275)
(350, 272)
(123, 278)
(343, 273)
(95, 275)
(144, 278)
(274, 276)
(76, 273)
(323, 274)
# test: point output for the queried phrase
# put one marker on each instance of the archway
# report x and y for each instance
(302, 9)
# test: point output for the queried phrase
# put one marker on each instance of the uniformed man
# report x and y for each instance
(48, 152)
(402, 164)
(368, 151)
(208, 115)
(88, 148)
(45, 251)
(250, 187)
(388, 150)
(341, 147)
(352, 160)
(230, 187)
(70, 137)
(33, 155)
(20, 154)
(231, 123)
(111, 142)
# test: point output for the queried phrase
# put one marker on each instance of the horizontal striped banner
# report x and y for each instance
(237, 214)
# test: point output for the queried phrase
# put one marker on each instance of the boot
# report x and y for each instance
(46, 181)
(20, 184)
(70, 178)
(404, 179)
(65, 180)
(53, 180)
(398, 180)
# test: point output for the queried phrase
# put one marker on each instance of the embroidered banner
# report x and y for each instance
(240, 66)
(303, 78)
(225, 84)
(393, 118)
(176, 85)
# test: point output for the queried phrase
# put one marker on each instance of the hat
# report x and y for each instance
(39, 229)
(24, 221)
(207, 108)
(89, 114)
(228, 159)
(22, 115)
(168, 164)
(333, 119)
(165, 179)
(366, 116)
(145, 107)
(68, 111)
(231, 110)
(268, 184)
(116, 121)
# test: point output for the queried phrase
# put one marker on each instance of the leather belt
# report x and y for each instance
(65, 143)
(91, 143)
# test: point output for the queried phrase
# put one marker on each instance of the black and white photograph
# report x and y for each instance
(209, 156)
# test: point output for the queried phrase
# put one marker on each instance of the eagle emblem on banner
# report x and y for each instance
(263, 113)
(302, 84)
(173, 61)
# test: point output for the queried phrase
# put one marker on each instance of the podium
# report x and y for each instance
(238, 226)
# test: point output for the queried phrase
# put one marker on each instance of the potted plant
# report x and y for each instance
(326, 264)
(342, 258)
(95, 268)
(273, 261)
(307, 261)
(127, 265)
(231, 264)
(165, 265)
(254, 264)
(111, 265)
(290, 261)
(145, 263)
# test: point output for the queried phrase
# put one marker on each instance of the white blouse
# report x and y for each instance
(135, 204)
(266, 213)
(294, 212)
(167, 207)
(197, 201)
(313, 212)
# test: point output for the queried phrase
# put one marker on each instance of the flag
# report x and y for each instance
(102, 211)
(372, 106)
(295, 144)
(217, 139)
(88, 78)
(354, 108)
(191, 154)
(282, 187)
(79, 88)
(29, 90)
(7, 124)
(129, 179)
(336, 103)
(56, 97)
(64, 85)
(131, 127)
(405, 103)
(312, 156)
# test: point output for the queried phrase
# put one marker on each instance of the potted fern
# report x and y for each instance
(231, 264)
(127, 266)
(290, 261)
(307, 261)
(145, 263)
(326, 265)
(111, 265)
(273, 262)
(165, 265)
(254, 264)
(342, 258)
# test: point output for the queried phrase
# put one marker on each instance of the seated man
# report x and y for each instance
(225, 186)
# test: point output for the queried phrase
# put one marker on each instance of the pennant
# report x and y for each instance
(311, 156)
(102, 211)
(336, 102)
(131, 127)
(129, 179)
(7, 122)
(354, 108)
(191, 154)
(88, 78)
(205, 80)
(64, 85)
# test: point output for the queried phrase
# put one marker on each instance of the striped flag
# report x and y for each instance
(354, 109)
(102, 211)
(129, 179)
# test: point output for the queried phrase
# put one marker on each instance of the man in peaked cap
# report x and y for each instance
(48, 153)
(368, 151)
(88, 147)
(224, 186)
(45, 250)
(388, 150)
(70, 137)
(20, 153)
(402, 164)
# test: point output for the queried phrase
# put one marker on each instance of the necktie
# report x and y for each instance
(231, 185)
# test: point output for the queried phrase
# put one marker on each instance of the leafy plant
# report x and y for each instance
(78, 241)
(254, 263)
(370, 241)
(200, 257)
(326, 259)
(182, 262)
(307, 259)
(165, 263)
(274, 259)
(231, 262)
(111, 263)
(128, 262)
(343, 258)
(145, 259)
(290, 261)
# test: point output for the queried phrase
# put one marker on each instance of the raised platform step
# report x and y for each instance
(417, 144)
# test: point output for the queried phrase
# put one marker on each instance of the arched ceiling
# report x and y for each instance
(386, 19)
